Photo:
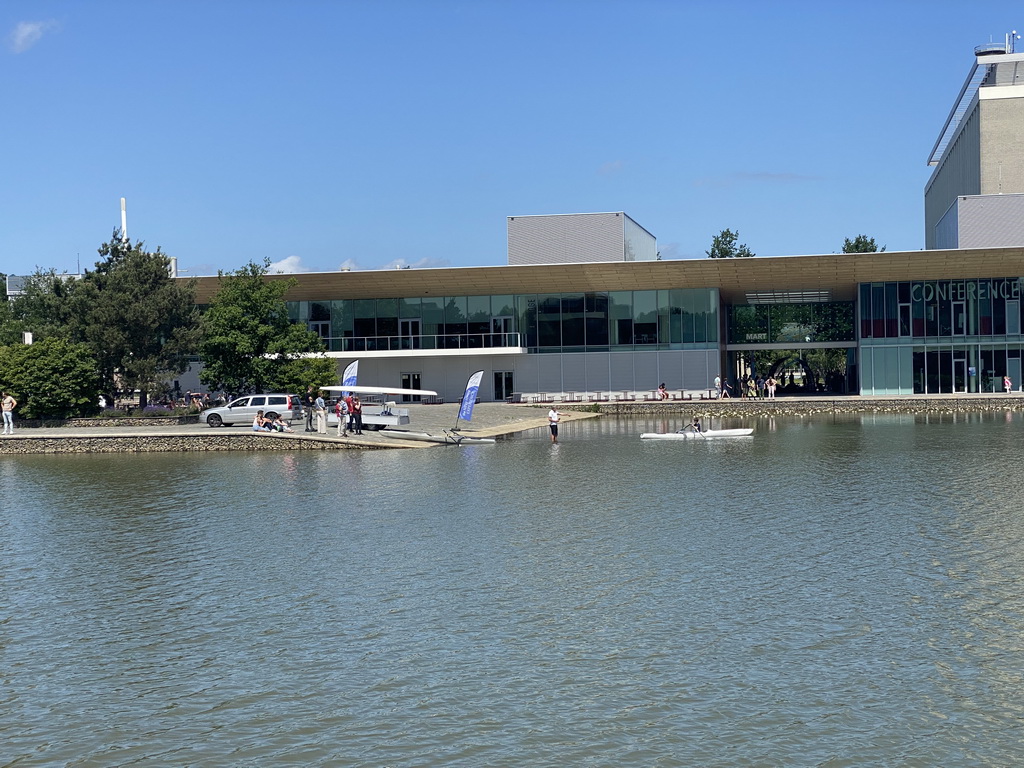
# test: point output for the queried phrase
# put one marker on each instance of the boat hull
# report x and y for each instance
(691, 435)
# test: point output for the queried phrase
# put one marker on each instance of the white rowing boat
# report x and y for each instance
(691, 435)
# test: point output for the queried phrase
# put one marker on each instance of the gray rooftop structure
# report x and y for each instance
(576, 238)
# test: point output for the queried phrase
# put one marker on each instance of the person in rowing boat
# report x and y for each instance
(694, 425)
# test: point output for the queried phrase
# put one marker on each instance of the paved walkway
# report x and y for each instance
(489, 420)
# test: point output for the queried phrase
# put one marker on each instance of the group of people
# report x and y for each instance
(262, 424)
(748, 387)
(348, 409)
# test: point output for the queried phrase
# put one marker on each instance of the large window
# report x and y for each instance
(791, 323)
(941, 308)
(659, 319)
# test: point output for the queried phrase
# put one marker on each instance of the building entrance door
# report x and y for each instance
(411, 381)
(959, 369)
(409, 334)
(503, 385)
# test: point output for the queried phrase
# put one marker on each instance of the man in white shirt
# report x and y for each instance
(553, 418)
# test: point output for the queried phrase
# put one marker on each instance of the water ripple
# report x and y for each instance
(835, 591)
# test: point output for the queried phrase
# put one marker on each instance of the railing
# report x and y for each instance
(439, 341)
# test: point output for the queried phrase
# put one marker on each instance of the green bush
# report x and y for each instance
(52, 379)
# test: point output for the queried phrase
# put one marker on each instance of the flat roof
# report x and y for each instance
(831, 277)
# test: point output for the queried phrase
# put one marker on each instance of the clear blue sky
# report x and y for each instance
(369, 134)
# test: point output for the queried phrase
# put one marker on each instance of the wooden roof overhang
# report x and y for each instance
(834, 276)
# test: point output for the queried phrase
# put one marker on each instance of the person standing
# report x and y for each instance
(351, 414)
(760, 387)
(553, 418)
(770, 384)
(718, 385)
(357, 415)
(308, 401)
(9, 404)
(341, 411)
(320, 407)
(1007, 385)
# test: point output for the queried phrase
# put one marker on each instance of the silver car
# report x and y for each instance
(243, 410)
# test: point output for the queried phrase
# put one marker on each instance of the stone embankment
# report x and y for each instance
(25, 442)
(806, 406)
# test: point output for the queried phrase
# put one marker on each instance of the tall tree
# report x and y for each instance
(141, 323)
(47, 307)
(248, 342)
(723, 246)
(861, 244)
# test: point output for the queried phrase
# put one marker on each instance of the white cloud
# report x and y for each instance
(28, 33)
(287, 266)
(610, 168)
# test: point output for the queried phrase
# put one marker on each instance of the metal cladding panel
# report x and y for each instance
(646, 372)
(549, 373)
(640, 245)
(991, 221)
(958, 173)
(946, 231)
(566, 239)
(596, 365)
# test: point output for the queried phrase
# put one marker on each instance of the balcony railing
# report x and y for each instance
(439, 341)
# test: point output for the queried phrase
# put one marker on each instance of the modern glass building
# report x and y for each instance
(898, 323)
(940, 336)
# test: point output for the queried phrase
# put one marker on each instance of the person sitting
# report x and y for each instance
(694, 425)
(260, 424)
(281, 425)
(662, 392)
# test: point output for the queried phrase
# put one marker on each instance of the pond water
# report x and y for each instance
(831, 592)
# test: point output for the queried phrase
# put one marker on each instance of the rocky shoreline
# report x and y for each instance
(806, 406)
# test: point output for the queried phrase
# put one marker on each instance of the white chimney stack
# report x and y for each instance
(124, 222)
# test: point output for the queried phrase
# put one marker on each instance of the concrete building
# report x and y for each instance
(979, 156)
(578, 238)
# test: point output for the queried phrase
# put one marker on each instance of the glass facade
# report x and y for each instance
(550, 322)
(940, 336)
(791, 323)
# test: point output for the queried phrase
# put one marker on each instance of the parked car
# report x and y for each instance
(242, 410)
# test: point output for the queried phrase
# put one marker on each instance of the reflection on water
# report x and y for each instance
(833, 591)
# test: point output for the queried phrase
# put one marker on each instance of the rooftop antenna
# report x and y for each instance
(1010, 40)
(124, 222)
